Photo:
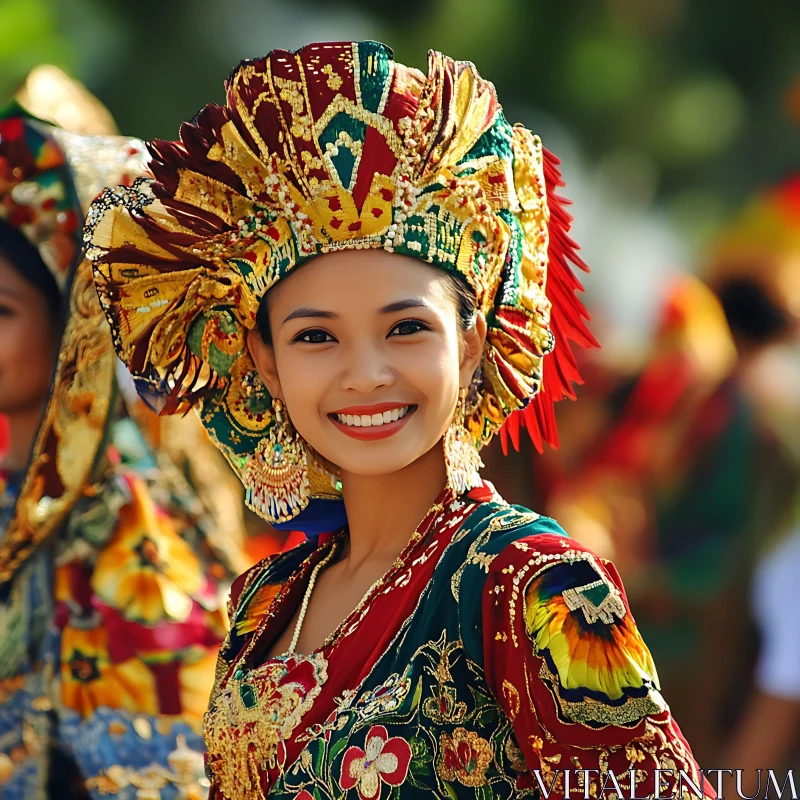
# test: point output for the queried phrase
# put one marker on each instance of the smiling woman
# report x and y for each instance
(344, 361)
(359, 274)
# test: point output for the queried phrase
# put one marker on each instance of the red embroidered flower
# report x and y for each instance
(465, 757)
(385, 760)
(304, 795)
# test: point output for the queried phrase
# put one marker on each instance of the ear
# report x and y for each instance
(264, 357)
(473, 341)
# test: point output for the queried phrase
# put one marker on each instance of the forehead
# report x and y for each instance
(360, 279)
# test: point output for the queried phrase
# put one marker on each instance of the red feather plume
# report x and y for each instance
(567, 321)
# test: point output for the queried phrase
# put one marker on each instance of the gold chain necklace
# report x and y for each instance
(307, 598)
(415, 537)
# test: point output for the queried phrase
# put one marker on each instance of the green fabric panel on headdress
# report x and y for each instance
(222, 320)
(510, 288)
(345, 160)
(495, 142)
(374, 70)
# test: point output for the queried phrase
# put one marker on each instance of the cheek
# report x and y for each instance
(305, 378)
(26, 358)
(432, 369)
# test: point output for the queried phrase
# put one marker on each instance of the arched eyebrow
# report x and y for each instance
(402, 305)
(304, 312)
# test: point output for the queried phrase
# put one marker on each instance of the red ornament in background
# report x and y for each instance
(5, 436)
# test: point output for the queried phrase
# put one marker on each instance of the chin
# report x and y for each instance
(388, 459)
(371, 467)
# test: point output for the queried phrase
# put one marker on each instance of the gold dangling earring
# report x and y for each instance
(460, 454)
(276, 476)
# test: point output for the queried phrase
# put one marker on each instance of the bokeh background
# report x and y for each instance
(668, 114)
(672, 119)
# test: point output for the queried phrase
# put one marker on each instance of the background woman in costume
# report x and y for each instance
(359, 274)
(755, 269)
(110, 617)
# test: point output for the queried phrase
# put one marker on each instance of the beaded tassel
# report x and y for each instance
(461, 456)
(276, 478)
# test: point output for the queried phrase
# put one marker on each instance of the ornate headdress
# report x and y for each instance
(48, 177)
(334, 147)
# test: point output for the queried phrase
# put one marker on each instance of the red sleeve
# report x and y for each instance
(566, 662)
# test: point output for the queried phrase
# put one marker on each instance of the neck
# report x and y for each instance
(23, 427)
(384, 510)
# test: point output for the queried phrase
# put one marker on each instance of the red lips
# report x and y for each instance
(373, 432)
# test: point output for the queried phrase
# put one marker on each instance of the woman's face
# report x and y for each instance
(27, 334)
(368, 356)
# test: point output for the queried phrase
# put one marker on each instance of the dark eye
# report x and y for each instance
(5, 311)
(407, 327)
(314, 336)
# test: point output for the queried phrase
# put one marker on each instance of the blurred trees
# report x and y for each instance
(695, 105)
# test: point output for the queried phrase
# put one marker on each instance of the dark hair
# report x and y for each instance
(463, 297)
(25, 259)
(752, 314)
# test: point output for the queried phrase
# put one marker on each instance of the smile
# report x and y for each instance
(372, 422)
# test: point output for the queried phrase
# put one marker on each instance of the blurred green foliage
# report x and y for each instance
(696, 94)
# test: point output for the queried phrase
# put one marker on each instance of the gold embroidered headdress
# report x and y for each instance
(338, 146)
(48, 177)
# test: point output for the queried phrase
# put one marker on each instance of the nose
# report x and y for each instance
(366, 369)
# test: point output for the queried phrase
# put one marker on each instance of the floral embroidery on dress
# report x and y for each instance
(89, 678)
(384, 698)
(147, 570)
(464, 757)
(383, 760)
(263, 707)
(424, 700)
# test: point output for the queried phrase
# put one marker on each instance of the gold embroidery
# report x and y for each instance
(504, 520)
(511, 699)
(592, 712)
(466, 765)
(334, 81)
(598, 600)
(252, 715)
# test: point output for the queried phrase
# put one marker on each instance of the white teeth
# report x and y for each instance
(369, 421)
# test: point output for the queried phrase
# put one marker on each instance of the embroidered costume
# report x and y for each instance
(110, 576)
(496, 652)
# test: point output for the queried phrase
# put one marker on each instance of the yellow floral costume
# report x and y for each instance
(110, 576)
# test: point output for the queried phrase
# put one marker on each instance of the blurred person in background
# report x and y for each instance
(682, 474)
(359, 273)
(110, 573)
(756, 273)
